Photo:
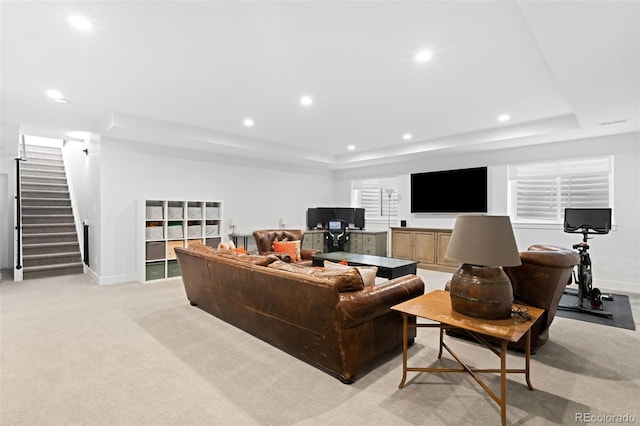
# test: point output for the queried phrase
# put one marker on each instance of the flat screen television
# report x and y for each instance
(450, 191)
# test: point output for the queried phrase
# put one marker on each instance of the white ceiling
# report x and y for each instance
(188, 73)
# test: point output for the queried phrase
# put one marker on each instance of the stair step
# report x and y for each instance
(44, 194)
(44, 159)
(46, 210)
(49, 237)
(43, 228)
(51, 259)
(49, 218)
(45, 202)
(61, 179)
(33, 165)
(43, 148)
(52, 271)
(42, 173)
(44, 186)
(48, 248)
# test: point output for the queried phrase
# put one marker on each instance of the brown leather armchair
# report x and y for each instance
(265, 238)
(540, 282)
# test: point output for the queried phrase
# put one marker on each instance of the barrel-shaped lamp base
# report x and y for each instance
(481, 292)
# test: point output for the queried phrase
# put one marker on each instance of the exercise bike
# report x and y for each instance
(586, 221)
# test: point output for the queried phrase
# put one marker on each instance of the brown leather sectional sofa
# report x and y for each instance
(323, 317)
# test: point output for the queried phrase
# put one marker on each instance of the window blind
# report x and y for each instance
(540, 192)
(372, 195)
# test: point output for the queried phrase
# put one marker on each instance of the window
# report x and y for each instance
(541, 191)
(378, 197)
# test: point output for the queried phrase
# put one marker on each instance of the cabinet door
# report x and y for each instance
(424, 247)
(402, 244)
(443, 243)
(307, 241)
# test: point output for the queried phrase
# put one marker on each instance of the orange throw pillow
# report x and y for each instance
(241, 250)
(288, 247)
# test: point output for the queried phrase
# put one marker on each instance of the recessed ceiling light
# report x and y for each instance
(79, 22)
(504, 117)
(54, 94)
(248, 122)
(407, 136)
(423, 56)
(351, 147)
(306, 100)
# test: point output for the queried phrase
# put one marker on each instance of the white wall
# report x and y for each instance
(83, 171)
(9, 143)
(257, 197)
(615, 256)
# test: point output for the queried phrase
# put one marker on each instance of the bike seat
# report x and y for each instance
(581, 246)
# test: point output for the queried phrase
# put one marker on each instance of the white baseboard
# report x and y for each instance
(113, 279)
(607, 286)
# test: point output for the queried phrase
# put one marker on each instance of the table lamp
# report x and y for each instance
(480, 288)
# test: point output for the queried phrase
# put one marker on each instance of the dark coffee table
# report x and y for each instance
(388, 267)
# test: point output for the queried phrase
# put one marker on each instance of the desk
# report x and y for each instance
(388, 267)
(436, 306)
(237, 237)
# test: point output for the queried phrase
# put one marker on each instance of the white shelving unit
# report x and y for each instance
(169, 224)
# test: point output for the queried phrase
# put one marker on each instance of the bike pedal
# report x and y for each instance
(606, 296)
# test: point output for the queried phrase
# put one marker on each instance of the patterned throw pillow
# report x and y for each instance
(368, 273)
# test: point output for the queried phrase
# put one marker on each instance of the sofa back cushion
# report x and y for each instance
(348, 279)
(227, 254)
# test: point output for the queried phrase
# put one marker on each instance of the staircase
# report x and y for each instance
(49, 239)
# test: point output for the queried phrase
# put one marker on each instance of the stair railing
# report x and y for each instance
(18, 221)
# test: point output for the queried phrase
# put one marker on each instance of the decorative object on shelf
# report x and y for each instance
(483, 244)
(282, 223)
(232, 225)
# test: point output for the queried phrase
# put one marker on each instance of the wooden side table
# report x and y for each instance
(436, 306)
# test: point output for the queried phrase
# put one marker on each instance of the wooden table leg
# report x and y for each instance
(528, 359)
(503, 382)
(404, 350)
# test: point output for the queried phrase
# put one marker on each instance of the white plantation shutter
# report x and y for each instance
(540, 192)
(371, 195)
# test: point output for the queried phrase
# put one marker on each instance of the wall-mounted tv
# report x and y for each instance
(450, 191)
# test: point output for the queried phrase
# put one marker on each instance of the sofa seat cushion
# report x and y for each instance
(343, 279)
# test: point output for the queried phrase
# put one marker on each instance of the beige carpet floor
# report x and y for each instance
(75, 353)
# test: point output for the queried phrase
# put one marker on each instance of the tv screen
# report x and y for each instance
(335, 225)
(450, 191)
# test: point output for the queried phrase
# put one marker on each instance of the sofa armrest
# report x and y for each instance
(357, 307)
(307, 254)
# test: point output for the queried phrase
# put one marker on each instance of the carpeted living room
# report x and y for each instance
(230, 212)
(77, 353)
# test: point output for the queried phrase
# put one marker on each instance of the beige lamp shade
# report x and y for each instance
(483, 240)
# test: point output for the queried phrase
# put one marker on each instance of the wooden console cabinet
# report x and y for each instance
(363, 242)
(424, 245)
